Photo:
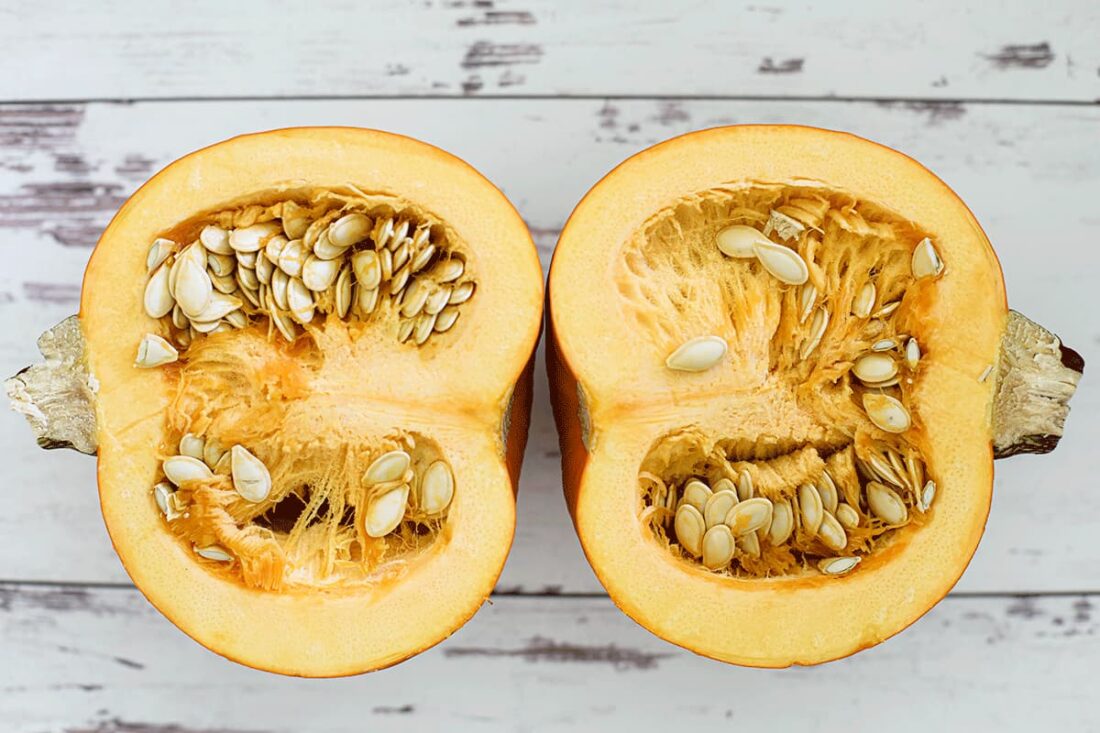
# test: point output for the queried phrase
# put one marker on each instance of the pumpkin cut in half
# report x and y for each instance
(783, 364)
(304, 358)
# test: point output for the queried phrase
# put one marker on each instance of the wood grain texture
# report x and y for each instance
(124, 49)
(103, 660)
(1024, 170)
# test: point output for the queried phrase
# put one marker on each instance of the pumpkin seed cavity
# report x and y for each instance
(821, 289)
(291, 276)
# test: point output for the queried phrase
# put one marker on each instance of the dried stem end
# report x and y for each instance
(1036, 378)
(58, 396)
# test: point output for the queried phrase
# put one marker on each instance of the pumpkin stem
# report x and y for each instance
(1036, 377)
(58, 396)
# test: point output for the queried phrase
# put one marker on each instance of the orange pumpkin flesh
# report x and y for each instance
(305, 588)
(638, 273)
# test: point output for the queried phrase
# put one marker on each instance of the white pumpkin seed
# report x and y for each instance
(886, 309)
(817, 330)
(326, 250)
(847, 516)
(826, 489)
(251, 478)
(884, 345)
(698, 354)
(696, 493)
(782, 262)
(247, 259)
(449, 271)
(437, 488)
(875, 367)
(718, 506)
(221, 265)
(192, 445)
(886, 412)
(737, 240)
(193, 288)
(216, 240)
(749, 516)
(161, 493)
(368, 299)
(912, 353)
(809, 297)
(446, 319)
(299, 301)
(158, 299)
(864, 301)
(425, 324)
(385, 512)
(718, 547)
(750, 544)
(401, 254)
(786, 227)
(926, 260)
(810, 507)
(437, 301)
(690, 528)
(274, 248)
(154, 351)
(387, 467)
(213, 552)
(885, 503)
(251, 239)
(832, 533)
(212, 452)
(927, 495)
(292, 258)
(400, 278)
(179, 469)
(421, 259)
(368, 268)
(158, 253)
(461, 293)
(343, 291)
(838, 565)
(219, 307)
(318, 274)
(782, 525)
(279, 282)
(414, 299)
(349, 230)
(745, 489)
(296, 228)
(405, 330)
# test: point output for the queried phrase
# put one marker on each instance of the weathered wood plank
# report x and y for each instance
(1030, 173)
(103, 660)
(119, 49)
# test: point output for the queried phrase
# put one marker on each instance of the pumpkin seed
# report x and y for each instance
(349, 230)
(213, 552)
(698, 354)
(838, 565)
(461, 293)
(926, 260)
(826, 489)
(737, 240)
(179, 469)
(279, 282)
(368, 268)
(847, 516)
(414, 300)
(216, 240)
(158, 299)
(425, 324)
(421, 259)
(212, 451)
(437, 301)
(745, 489)
(782, 525)
(985, 374)
(864, 301)
(324, 249)
(783, 263)
(446, 319)
(886, 412)
(927, 495)
(912, 353)
(437, 488)
(388, 467)
(886, 309)
(689, 527)
(718, 547)
(875, 367)
(368, 300)
(449, 271)
(251, 479)
(405, 330)
(318, 274)
(159, 251)
(400, 278)
(717, 506)
(809, 297)
(811, 508)
(750, 544)
(252, 238)
(343, 291)
(296, 227)
(749, 516)
(884, 345)
(161, 493)
(154, 351)
(885, 503)
(292, 258)
(696, 493)
(817, 330)
(192, 445)
(299, 301)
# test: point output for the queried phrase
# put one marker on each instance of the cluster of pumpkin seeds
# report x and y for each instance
(392, 491)
(290, 269)
(716, 523)
(727, 527)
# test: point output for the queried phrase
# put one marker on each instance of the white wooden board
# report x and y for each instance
(1025, 171)
(103, 660)
(112, 49)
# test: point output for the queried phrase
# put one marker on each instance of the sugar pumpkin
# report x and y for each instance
(304, 358)
(782, 365)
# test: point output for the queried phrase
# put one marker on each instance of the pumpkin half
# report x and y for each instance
(783, 364)
(303, 358)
